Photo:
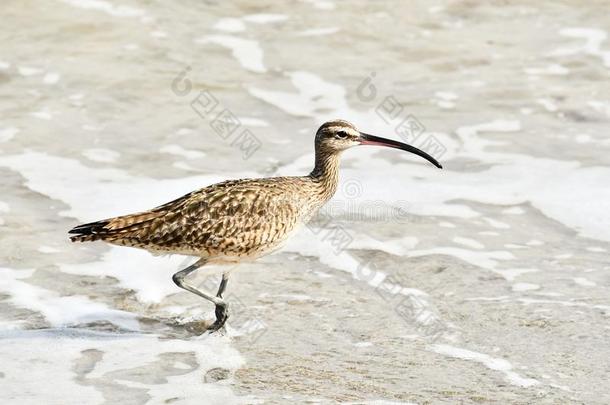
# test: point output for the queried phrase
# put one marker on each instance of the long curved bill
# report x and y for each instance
(366, 139)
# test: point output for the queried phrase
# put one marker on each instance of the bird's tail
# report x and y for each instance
(112, 228)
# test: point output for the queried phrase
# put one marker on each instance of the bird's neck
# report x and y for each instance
(325, 174)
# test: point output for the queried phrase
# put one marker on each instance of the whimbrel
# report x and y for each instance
(237, 220)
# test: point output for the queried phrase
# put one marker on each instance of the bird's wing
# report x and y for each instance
(233, 217)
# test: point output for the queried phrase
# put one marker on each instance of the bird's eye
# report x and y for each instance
(341, 134)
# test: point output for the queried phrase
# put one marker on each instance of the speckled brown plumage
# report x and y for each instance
(238, 219)
(228, 221)
(232, 220)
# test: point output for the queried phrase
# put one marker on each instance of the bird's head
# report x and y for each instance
(337, 135)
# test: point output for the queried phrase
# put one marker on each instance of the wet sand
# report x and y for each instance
(486, 282)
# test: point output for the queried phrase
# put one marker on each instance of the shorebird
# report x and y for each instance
(237, 220)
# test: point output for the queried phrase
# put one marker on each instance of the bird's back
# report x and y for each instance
(227, 221)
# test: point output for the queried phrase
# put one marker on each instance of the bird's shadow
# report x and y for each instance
(176, 327)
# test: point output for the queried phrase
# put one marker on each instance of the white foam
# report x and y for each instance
(312, 242)
(559, 188)
(488, 233)
(43, 115)
(230, 25)
(445, 104)
(118, 357)
(234, 25)
(58, 310)
(314, 94)
(548, 294)
(492, 363)
(363, 344)
(594, 38)
(584, 282)
(101, 155)
(106, 7)
(600, 106)
(488, 260)
(7, 134)
(525, 287)
(184, 131)
(512, 273)
(515, 246)
(133, 193)
(253, 122)
(189, 386)
(547, 103)
(178, 150)
(494, 126)
(48, 249)
(583, 138)
(375, 402)
(322, 274)
(247, 52)
(28, 71)
(40, 384)
(158, 34)
(530, 301)
(303, 243)
(485, 259)
(117, 187)
(4, 207)
(395, 246)
(147, 275)
(265, 18)
(471, 243)
(131, 47)
(514, 211)
(51, 78)
(498, 298)
(184, 166)
(552, 69)
(316, 32)
(526, 111)
(445, 99)
(4, 65)
(496, 224)
(446, 95)
(322, 4)
(147, 19)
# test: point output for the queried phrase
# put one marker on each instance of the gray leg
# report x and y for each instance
(223, 284)
(221, 305)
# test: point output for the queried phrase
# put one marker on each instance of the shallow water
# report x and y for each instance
(486, 282)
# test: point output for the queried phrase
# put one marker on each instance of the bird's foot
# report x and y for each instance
(222, 314)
